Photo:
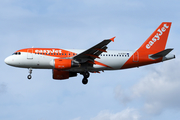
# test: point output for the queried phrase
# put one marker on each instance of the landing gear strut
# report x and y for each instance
(86, 75)
(30, 72)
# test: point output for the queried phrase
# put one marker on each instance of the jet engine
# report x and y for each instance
(60, 75)
(64, 64)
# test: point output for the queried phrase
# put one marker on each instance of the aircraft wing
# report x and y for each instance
(93, 52)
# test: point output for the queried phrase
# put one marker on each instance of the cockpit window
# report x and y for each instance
(17, 53)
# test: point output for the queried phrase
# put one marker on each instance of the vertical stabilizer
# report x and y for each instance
(157, 41)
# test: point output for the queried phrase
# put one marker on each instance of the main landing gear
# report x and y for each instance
(30, 72)
(86, 75)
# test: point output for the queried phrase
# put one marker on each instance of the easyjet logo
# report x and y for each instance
(48, 51)
(157, 36)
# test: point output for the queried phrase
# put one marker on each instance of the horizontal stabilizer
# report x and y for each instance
(161, 54)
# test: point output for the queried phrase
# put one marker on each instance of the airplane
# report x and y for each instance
(66, 63)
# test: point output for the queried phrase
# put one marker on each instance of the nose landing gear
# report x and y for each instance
(30, 72)
(86, 75)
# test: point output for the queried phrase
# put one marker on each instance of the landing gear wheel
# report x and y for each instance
(30, 72)
(85, 81)
(29, 77)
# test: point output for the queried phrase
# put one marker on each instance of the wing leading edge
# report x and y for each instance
(93, 52)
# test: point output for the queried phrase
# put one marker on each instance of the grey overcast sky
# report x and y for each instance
(145, 93)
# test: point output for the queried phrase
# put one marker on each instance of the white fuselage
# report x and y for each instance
(113, 59)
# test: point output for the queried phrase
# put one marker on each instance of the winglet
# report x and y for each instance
(112, 39)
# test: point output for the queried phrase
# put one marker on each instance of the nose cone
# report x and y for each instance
(7, 60)
(12, 61)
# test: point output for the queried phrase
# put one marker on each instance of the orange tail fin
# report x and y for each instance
(153, 47)
(157, 41)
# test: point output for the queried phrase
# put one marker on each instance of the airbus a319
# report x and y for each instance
(66, 63)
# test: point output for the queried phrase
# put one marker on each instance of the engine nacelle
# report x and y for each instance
(64, 64)
(60, 75)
